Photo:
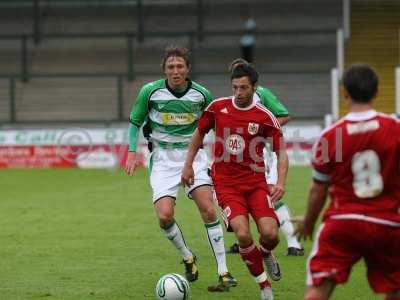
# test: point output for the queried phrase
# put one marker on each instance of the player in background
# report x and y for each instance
(271, 102)
(356, 160)
(172, 107)
(242, 128)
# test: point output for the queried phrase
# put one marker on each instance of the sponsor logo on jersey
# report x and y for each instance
(177, 119)
(235, 144)
(362, 127)
(224, 110)
(253, 128)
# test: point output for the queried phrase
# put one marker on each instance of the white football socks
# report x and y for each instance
(286, 227)
(174, 234)
(216, 241)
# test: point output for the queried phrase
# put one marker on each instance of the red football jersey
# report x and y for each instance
(360, 157)
(240, 137)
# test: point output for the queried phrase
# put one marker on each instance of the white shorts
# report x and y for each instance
(271, 164)
(166, 169)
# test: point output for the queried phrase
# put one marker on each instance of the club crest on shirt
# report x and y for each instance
(253, 128)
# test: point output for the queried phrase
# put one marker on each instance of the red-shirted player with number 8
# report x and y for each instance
(242, 128)
(357, 161)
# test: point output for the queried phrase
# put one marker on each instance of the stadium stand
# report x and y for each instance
(4, 96)
(67, 99)
(295, 49)
(375, 39)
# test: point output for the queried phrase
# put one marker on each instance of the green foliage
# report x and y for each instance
(73, 234)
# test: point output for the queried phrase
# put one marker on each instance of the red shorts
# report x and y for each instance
(244, 199)
(339, 244)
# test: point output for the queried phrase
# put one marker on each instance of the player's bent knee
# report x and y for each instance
(271, 239)
(270, 243)
(244, 237)
(165, 218)
(269, 233)
(208, 214)
(164, 210)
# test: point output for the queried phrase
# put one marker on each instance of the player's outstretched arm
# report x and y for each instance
(187, 177)
(131, 162)
(138, 115)
(316, 200)
(278, 190)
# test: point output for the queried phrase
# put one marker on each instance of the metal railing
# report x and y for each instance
(120, 83)
(336, 75)
(346, 18)
(128, 72)
(25, 39)
(39, 6)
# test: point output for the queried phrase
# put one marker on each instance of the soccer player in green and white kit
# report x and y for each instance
(270, 101)
(172, 107)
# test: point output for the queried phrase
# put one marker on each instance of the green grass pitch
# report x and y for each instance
(75, 234)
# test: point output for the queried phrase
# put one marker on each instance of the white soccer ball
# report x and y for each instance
(172, 287)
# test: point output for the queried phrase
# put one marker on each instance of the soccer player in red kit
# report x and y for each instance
(242, 129)
(356, 160)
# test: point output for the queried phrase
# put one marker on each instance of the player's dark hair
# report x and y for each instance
(245, 70)
(236, 62)
(361, 82)
(177, 51)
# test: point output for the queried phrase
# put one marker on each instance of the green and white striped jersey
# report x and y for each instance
(172, 115)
